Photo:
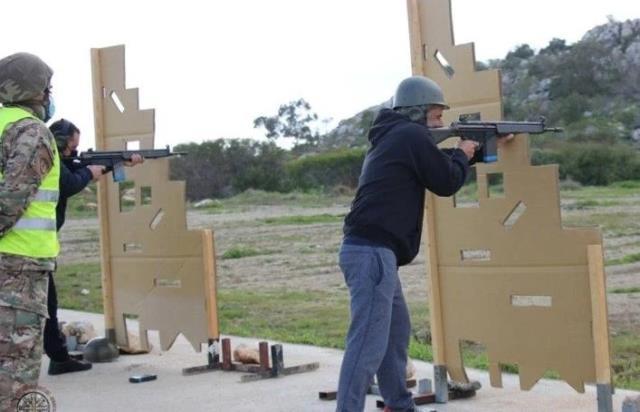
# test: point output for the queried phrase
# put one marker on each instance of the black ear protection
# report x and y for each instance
(63, 130)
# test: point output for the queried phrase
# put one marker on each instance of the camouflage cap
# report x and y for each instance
(23, 76)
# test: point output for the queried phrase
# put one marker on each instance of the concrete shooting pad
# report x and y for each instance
(106, 387)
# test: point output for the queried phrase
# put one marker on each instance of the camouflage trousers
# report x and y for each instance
(20, 352)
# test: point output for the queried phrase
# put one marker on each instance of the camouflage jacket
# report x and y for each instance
(26, 156)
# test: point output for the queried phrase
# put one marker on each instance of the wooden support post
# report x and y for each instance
(600, 327)
(277, 360)
(226, 354)
(415, 37)
(437, 334)
(211, 294)
(103, 214)
(264, 355)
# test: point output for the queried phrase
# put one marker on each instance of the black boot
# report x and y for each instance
(70, 365)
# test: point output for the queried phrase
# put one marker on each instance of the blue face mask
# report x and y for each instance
(49, 109)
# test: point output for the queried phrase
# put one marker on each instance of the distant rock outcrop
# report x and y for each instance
(351, 132)
(591, 87)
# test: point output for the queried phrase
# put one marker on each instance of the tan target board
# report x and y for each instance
(505, 273)
(153, 268)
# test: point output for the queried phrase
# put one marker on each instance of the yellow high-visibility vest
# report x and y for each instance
(34, 234)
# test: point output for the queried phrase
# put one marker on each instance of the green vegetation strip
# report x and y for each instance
(251, 197)
(79, 287)
(591, 203)
(321, 319)
(612, 224)
(303, 220)
(314, 318)
(627, 188)
(238, 252)
(632, 258)
(626, 361)
(625, 290)
(318, 318)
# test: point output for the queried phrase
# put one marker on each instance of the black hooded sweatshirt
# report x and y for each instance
(401, 163)
(72, 180)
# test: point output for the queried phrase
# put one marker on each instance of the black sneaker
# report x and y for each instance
(70, 365)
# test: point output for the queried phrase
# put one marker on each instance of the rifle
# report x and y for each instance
(114, 160)
(486, 133)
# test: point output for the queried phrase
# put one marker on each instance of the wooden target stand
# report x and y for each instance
(263, 370)
(170, 286)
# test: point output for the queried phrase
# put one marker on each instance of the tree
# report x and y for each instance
(524, 51)
(225, 167)
(587, 71)
(294, 119)
(556, 46)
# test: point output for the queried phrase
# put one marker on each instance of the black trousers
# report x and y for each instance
(55, 343)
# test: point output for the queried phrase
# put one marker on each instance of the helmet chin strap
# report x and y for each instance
(40, 111)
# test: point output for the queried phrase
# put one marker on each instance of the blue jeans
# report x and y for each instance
(378, 336)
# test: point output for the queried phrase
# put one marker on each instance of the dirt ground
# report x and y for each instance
(304, 256)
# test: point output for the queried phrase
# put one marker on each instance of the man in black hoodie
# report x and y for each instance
(382, 232)
(73, 179)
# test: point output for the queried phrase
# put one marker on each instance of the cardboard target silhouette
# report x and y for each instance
(153, 268)
(504, 272)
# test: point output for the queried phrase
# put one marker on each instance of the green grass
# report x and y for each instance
(303, 220)
(321, 319)
(626, 361)
(586, 195)
(237, 252)
(614, 223)
(248, 198)
(632, 258)
(634, 289)
(467, 193)
(591, 203)
(629, 188)
(317, 318)
(627, 184)
(312, 317)
(72, 279)
(84, 204)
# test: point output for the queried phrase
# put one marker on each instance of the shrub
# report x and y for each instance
(224, 167)
(238, 252)
(592, 163)
(339, 167)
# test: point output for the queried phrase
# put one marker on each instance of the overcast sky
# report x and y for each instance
(210, 67)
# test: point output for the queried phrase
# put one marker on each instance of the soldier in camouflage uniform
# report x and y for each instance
(28, 247)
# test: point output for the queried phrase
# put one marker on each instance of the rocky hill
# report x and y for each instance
(591, 87)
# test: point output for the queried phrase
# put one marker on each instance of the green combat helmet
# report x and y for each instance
(418, 91)
(100, 350)
(23, 76)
